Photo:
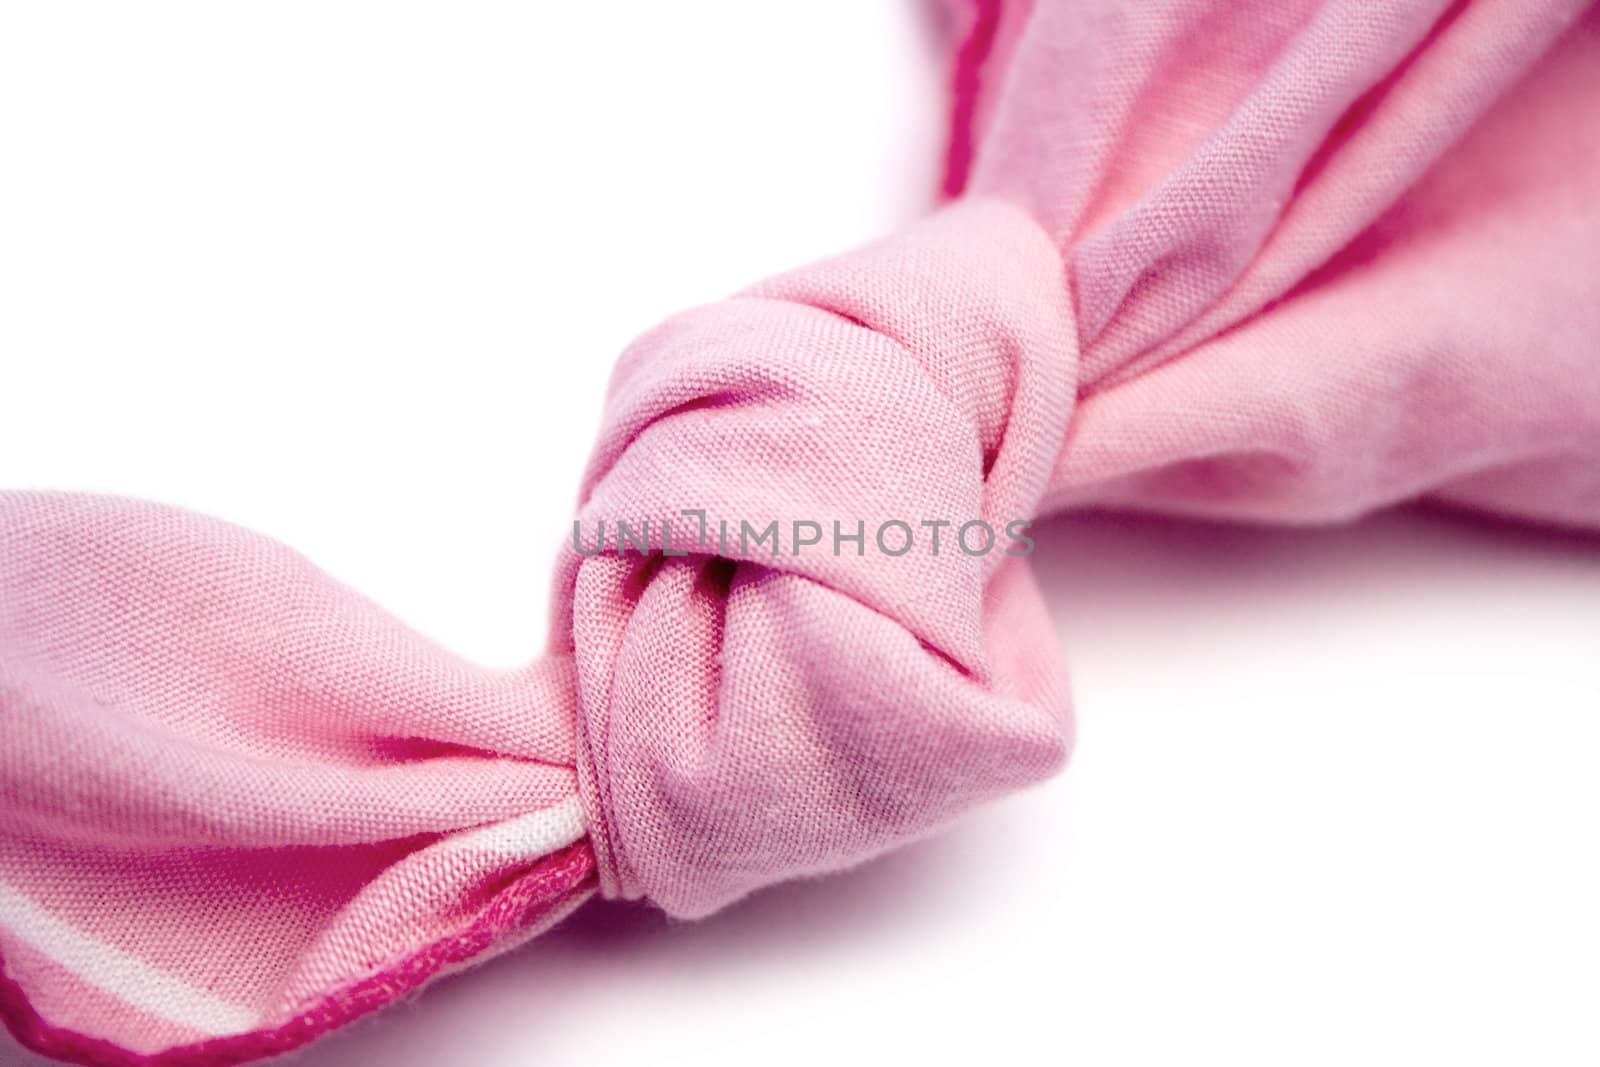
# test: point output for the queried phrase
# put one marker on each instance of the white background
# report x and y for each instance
(354, 274)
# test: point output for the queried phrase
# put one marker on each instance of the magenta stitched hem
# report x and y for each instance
(550, 885)
(970, 57)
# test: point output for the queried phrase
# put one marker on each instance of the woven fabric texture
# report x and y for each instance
(1271, 260)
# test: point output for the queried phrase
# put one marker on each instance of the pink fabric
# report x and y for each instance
(1285, 260)
(238, 797)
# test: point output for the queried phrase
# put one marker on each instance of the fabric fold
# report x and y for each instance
(1245, 259)
(236, 792)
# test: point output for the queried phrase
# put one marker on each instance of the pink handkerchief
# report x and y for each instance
(1280, 260)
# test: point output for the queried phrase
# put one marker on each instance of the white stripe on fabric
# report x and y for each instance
(527, 836)
(119, 973)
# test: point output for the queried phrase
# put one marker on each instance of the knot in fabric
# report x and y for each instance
(820, 637)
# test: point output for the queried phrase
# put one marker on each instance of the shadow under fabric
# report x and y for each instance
(1282, 260)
